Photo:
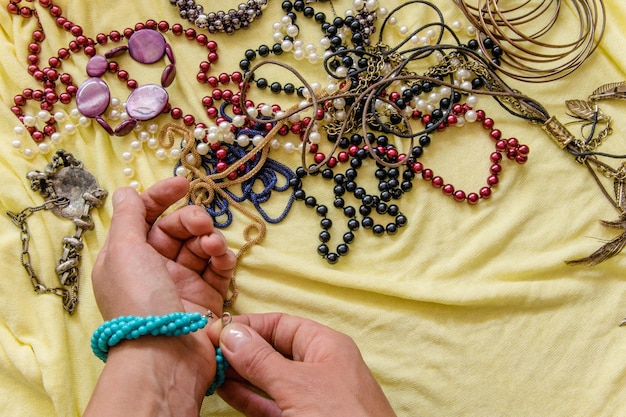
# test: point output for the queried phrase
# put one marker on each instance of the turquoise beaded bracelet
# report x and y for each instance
(121, 328)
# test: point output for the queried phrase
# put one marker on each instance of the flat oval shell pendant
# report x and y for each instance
(93, 97)
(72, 183)
(146, 46)
(146, 102)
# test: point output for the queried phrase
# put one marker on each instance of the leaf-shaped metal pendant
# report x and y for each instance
(609, 91)
(585, 110)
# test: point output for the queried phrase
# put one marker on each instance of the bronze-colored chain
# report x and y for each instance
(68, 265)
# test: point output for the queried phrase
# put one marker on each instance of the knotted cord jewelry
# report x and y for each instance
(175, 324)
(221, 21)
(521, 35)
(70, 192)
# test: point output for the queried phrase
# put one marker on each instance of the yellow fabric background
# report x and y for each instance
(469, 310)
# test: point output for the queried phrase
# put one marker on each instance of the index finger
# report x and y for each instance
(298, 338)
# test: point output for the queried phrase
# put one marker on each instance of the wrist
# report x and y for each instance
(154, 376)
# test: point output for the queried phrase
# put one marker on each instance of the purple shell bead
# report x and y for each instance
(97, 66)
(92, 97)
(169, 73)
(125, 127)
(146, 102)
(146, 46)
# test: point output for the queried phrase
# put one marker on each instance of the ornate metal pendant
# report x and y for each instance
(70, 192)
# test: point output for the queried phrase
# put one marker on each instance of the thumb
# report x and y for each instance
(129, 216)
(254, 358)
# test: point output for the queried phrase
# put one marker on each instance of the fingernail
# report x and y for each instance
(234, 336)
(119, 195)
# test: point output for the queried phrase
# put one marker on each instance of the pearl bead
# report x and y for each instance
(239, 121)
(75, 114)
(136, 145)
(266, 110)
(19, 131)
(44, 115)
(471, 30)
(199, 133)
(456, 26)
(160, 154)
(298, 54)
(135, 185)
(29, 121)
(472, 100)
(115, 114)
(342, 72)
(28, 153)
(115, 102)
(143, 136)
(358, 4)
(229, 137)
(153, 143)
(257, 139)
(471, 116)
(175, 153)
(313, 58)
(286, 45)
(56, 138)
(292, 31)
(69, 128)
(16, 143)
(181, 171)
(127, 156)
(243, 140)
(371, 5)
(202, 148)
(466, 85)
(43, 148)
(60, 116)
(315, 137)
(191, 159)
(382, 12)
(84, 121)
(128, 172)
(289, 147)
(275, 144)
(339, 103)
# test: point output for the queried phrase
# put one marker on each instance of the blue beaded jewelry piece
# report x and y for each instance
(121, 328)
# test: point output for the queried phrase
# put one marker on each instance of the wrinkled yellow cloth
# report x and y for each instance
(467, 311)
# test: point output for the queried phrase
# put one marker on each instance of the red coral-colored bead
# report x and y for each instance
(485, 192)
(448, 189)
(495, 169)
(473, 198)
(523, 150)
(459, 195)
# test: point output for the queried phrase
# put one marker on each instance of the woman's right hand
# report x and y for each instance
(290, 366)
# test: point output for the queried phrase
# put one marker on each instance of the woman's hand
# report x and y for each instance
(154, 265)
(303, 368)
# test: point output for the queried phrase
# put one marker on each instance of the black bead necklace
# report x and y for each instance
(372, 207)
